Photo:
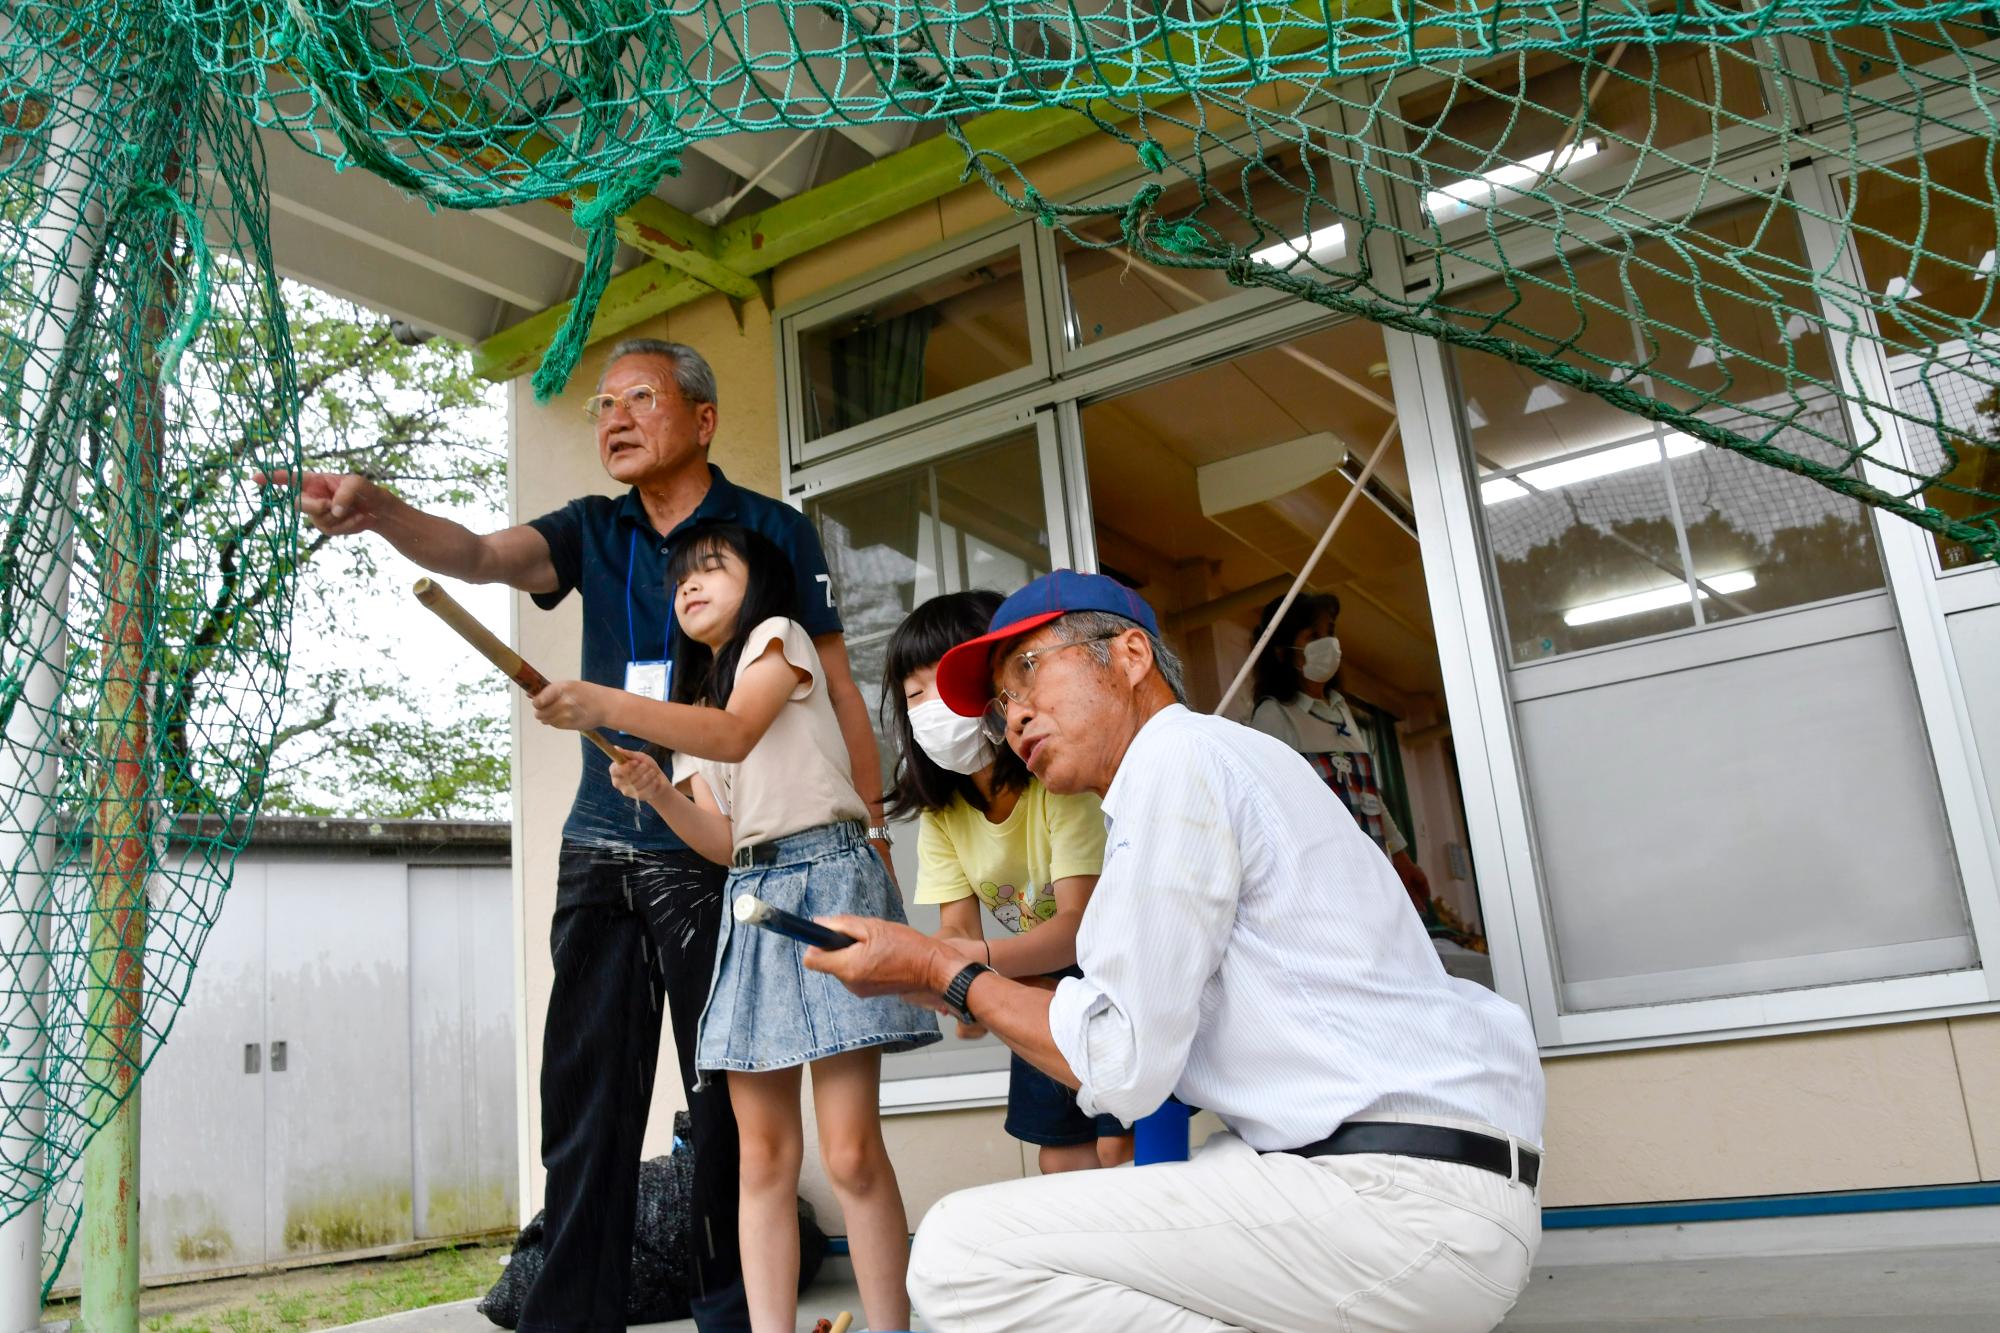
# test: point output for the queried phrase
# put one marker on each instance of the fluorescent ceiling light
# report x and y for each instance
(1901, 289)
(1674, 594)
(1324, 245)
(1797, 325)
(1986, 263)
(1486, 190)
(1586, 467)
(1704, 355)
(1475, 415)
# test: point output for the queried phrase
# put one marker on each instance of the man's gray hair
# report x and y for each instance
(693, 376)
(1078, 626)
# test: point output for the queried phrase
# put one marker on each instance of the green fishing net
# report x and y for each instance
(1768, 228)
(144, 375)
(1520, 141)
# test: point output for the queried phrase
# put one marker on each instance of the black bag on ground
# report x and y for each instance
(661, 1236)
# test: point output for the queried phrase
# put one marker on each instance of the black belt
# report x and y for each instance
(1439, 1143)
(756, 854)
(766, 853)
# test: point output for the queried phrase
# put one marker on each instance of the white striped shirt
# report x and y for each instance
(1251, 951)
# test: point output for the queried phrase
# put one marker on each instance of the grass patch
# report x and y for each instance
(315, 1298)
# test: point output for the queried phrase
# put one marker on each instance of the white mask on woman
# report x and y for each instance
(953, 742)
(1322, 660)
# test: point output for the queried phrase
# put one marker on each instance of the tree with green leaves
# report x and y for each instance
(366, 733)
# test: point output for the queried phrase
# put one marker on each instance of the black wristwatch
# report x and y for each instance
(961, 986)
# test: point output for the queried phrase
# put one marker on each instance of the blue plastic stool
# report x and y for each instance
(1162, 1136)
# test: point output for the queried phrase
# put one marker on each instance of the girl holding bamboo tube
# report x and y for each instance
(768, 792)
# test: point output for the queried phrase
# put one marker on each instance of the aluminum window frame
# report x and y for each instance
(1480, 681)
(1513, 894)
(1821, 106)
(1249, 301)
(1472, 658)
(946, 1075)
(1881, 141)
(795, 321)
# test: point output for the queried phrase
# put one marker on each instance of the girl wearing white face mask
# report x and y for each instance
(1298, 704)
(990, 835)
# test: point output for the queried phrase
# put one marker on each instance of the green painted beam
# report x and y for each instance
(630, 298)
(652, 226)
(894, 185)
(936, 167)
(802, 223)
(675, 239)
(874, 193)
(685, 243)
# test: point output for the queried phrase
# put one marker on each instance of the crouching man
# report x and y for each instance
(1248, 950)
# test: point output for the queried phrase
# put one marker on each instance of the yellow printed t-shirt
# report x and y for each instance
(1010, 865)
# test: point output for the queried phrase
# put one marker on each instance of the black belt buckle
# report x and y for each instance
(756, 854)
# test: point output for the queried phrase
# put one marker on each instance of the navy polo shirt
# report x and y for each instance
(596, 542)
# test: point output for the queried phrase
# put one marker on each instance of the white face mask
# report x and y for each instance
(1322, 660)
(952, 742)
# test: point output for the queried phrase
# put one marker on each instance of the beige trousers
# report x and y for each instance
(1232, 1240)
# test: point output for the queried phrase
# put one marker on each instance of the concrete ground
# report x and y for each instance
(1938, 1290)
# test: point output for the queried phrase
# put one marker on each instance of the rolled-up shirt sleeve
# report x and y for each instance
(1155, 932)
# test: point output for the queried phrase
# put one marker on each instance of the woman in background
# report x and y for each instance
(1298, 704)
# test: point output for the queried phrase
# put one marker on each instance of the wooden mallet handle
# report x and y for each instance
(512, 665)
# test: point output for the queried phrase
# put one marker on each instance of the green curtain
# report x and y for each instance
(880, 369)
(1388, 752)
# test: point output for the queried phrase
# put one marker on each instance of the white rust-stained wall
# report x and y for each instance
(340, 1077)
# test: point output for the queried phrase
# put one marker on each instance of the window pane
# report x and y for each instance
(1210, 489)
(976, 520)
(1699, 831)
(915, 346)
(1960, 393)
(1275, 205)
(1593, 514)
(1479, 128)
(1944, 275)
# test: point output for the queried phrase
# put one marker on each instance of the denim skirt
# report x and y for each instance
(765, 1009)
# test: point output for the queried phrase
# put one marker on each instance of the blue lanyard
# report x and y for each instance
(631, 633)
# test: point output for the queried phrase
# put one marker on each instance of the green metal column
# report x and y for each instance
(126, 769)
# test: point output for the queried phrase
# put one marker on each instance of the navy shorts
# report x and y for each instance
(1043, 1112)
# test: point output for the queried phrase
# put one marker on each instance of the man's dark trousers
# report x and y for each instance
(632, 927)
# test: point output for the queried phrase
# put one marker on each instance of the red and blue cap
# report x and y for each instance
(965, 674)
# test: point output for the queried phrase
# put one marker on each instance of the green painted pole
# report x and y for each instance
(121, 843)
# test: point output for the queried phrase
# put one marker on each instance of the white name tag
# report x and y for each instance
(648, 679)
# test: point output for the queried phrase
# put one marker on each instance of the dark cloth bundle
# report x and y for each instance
(661, 1262)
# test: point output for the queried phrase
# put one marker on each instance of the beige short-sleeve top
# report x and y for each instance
(798, 776)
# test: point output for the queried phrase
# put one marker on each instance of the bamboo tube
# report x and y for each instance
(512, 665)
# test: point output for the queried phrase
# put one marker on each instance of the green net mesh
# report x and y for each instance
(1766, 227)
(1573, 153)
(144, 375)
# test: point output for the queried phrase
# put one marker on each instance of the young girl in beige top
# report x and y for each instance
(761, 754)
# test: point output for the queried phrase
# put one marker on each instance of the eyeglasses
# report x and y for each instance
(639, 400)
(1017, 682)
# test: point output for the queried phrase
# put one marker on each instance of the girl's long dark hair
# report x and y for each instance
(927, 634)
(1277, 672)
(770, 589)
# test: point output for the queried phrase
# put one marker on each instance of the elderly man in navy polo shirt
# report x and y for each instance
(636, 911)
